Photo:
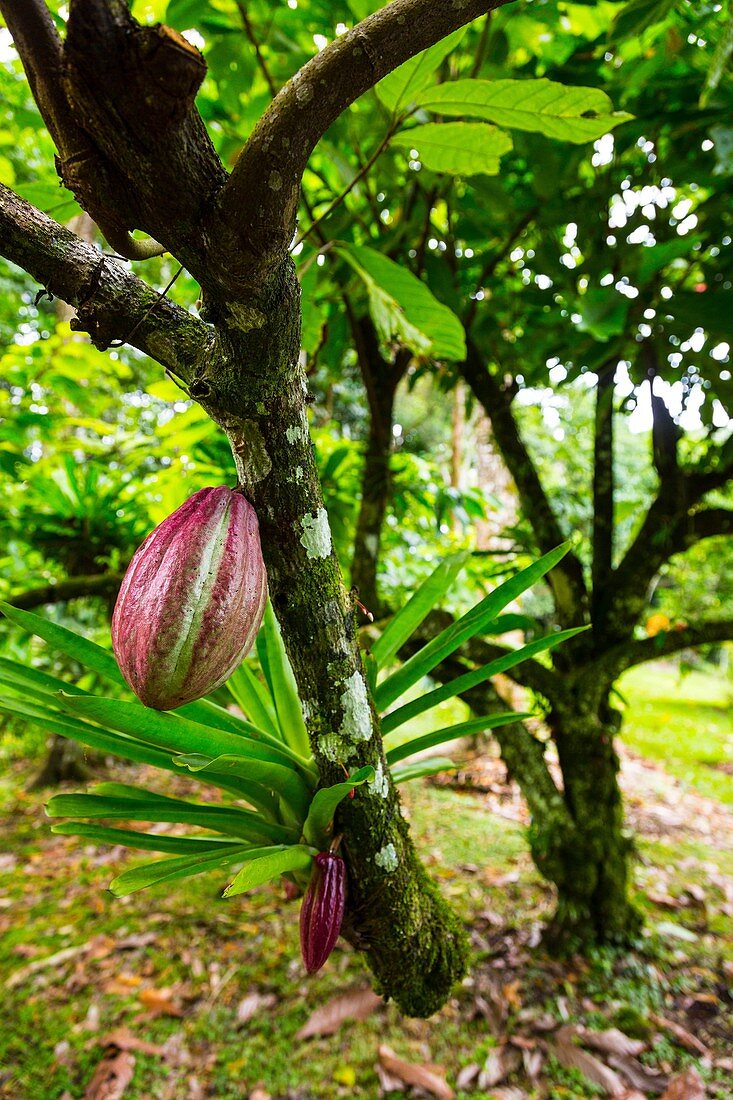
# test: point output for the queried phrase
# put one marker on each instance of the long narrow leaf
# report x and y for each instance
(404, 624)
(472, 623)
(286, 782)
(297, 857)
(283, 686)
(253, 698)
(166, 870)
(431, 699)
(220, 819)
(15, 674)
(325, 803)
(87, 653)
(403, 773)
(153, 842)
(451, 733)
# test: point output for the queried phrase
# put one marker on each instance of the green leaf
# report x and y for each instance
(274, 777)
(403, 773)
(282, 684)
(169, 731)
(457, 148)
(253, 698)
(542, 106)
(451, 733)
(220, 819)
(411, 300)
(472, 623)
(40, 684)
(325, 803)
(263, 867)
(431, 699)
(400, 87)
(403, 625)
(636, 17)
(154, 842)
(166, 870)
(65, 641)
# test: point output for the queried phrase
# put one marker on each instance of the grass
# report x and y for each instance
(683, 721)
(189, 951)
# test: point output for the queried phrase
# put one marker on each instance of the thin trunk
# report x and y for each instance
(603, 511)
(375, 496)
(64, 763)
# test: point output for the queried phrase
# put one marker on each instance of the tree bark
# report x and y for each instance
(64, 763)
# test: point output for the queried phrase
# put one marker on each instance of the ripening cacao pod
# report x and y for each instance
(191, 601)
(322, 910)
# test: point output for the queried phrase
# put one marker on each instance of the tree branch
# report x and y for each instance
(112, 303)
(258, 206)
(103, 584)
(624, 656)
(566, 579)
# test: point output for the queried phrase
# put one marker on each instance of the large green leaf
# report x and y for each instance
(325, 803)
(472, 623)
(284, 690)
(220, 819)
(431, 699)
(166, 870)
(558, 111)
(296, 857)
(408, 299)
(65, 641)
(401, 86)
(154, 842)
(457, 148)
(403, 625)
(451, 733)
(252, 696)
(287, 783)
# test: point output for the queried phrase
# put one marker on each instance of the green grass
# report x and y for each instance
(683, 722)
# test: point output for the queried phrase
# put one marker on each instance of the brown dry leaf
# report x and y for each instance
(570, 1055)
(611, 1041)
(500, 1063)
(122, 984)
(416, 1075)
(356, 1004)
(511, 995)
(253, 1003)
(639, 1076)
(111, 1077)
(57, 959)
(688, 1086)
(123, 1039)
(467, 1076)
(158, 1002)
(684, 1037)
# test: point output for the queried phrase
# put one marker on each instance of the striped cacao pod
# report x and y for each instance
(191, 601)
(322, 910)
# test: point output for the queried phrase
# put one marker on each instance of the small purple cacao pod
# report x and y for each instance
(191, 601)
(322, 910)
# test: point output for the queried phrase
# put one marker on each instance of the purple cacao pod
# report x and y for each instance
(322, 910)
(191, 601)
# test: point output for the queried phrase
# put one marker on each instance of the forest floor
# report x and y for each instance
(181, 995)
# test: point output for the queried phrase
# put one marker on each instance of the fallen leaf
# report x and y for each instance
(158, 1002)
(415, 1075)
(123, 1039)
(259, 1093)
(500, 1063)
(639, 1076)
(684, 1037)
(571, 1056)
(467, 1076)
(57, 959)
(510, 992)
(356, 1004)
(111, 1077)
(253, 1003)
(688, 1086)
(611, 1041)
(533, 1061)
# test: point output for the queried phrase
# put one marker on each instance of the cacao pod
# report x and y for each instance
(191, 601)
(322, 910)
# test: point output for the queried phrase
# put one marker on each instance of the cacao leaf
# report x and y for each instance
(284, 691)
(421, 768)
(431, 699)
(474, 622)
(285, 781)
(87, 653)
(397, 88)
(253, 698)
(269, 864)
(451, 733)
(457, 148)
